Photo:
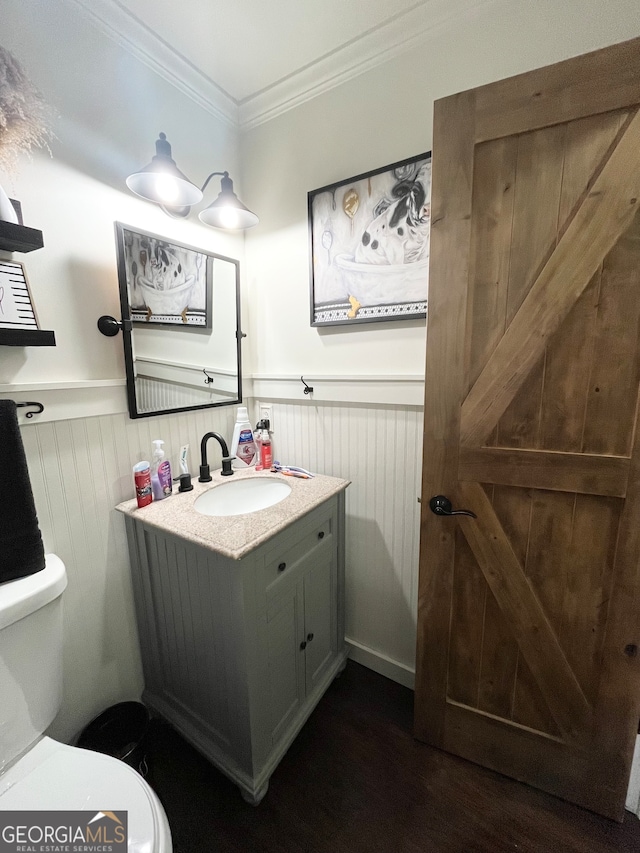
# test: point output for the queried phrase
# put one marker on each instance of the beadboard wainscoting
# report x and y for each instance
(81, 468)
(378, 448)
(162, 385)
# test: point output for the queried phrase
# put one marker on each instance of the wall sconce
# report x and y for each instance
(163, 183)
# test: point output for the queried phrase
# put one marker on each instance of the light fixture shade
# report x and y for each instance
(227, 211)
(162, 182)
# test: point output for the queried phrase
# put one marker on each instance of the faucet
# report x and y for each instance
(227, 470)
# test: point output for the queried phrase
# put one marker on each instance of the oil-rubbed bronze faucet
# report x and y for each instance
(205, 473)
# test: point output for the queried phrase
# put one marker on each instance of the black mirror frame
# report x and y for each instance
(127, 328)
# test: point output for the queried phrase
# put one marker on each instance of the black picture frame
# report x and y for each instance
(369, 245)
(167, 283)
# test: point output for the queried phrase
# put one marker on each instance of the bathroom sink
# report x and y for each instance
(242, 496)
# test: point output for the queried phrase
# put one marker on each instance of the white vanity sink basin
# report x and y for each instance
(236, 497)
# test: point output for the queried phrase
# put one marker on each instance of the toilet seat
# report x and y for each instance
(54, 776)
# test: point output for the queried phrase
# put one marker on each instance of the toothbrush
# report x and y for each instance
(301, 470)
(292, 468)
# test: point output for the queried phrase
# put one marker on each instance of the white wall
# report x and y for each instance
(111, 107)
(376, 119)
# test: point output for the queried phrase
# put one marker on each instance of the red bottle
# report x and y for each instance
(142, 480)
(265, 450)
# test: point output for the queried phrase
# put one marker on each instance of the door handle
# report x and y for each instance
(440, 505)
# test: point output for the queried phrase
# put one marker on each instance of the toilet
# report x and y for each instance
(36, 772)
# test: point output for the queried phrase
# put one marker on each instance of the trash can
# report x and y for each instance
(121, 732)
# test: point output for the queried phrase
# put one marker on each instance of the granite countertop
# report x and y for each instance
(234, 536)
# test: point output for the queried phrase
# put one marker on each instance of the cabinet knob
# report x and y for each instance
(282, 567)
(321, 534)
(309, 637)
(303, 645)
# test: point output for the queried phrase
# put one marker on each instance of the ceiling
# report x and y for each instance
(248, 60)
(246, 46)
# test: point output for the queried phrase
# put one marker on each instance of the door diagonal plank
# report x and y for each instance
(519, 604)
(585, 473)
(604, 214)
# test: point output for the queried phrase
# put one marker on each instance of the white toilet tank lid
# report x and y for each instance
(21, 597)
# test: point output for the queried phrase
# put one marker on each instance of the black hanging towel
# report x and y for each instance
(21, 548)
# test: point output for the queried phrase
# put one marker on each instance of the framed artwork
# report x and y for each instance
(369, 245)
(167, 283)
(16, 305)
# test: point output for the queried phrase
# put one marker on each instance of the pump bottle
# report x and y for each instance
(257, 439)
(161, 482)
(266, 456)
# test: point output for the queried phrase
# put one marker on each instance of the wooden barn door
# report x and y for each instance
(529, 621)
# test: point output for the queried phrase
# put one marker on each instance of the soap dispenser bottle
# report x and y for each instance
(257, 439)
(243, 447)
(161, 482)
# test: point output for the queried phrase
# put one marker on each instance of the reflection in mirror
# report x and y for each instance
(182, 346)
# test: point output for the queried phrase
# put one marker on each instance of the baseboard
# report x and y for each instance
(382, 664)
(633, 792)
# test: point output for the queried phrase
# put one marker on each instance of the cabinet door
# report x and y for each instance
(320, 608)
(285, 630)
(301, 638)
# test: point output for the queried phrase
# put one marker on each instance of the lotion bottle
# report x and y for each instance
(243, 447)
(161, 482)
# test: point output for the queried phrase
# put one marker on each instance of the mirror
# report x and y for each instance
(181, 324)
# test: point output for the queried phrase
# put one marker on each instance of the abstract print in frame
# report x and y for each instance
(369, 244)
(167, 283)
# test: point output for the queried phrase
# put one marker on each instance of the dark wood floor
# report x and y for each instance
(356, 781)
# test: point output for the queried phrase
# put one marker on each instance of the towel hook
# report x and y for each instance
(308, 389)
(209, 379)
(39, 408)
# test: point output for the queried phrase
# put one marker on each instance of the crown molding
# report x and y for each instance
(128, 31)
(420, 24)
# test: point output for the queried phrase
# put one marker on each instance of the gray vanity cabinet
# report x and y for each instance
(237, 653)
(301, 635)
